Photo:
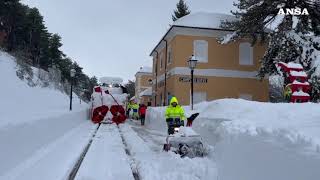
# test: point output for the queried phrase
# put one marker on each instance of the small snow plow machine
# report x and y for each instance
(184, 140)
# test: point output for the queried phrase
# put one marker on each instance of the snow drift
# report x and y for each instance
(21, 103)
(254, 140)
(39, 137)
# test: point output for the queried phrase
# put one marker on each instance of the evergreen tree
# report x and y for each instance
(27, 35)
(291, 38)
(54, 48)
(130, 86)
(182, 10)
(37, 41)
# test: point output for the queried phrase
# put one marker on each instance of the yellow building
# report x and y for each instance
(223, 70)
(143, 89)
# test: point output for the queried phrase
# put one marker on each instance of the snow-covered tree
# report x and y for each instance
(291, 37)
(182, 10)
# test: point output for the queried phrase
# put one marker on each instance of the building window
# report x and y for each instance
(161, 100)
(161, 61)
(246, 97)
(155, 65)
(245, 54)
(199, 97)
(150, 82)
(200, 50)
(169, 55)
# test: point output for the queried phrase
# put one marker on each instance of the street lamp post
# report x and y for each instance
(192, 62)
(72, 74)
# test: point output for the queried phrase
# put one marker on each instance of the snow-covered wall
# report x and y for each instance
(254, 140)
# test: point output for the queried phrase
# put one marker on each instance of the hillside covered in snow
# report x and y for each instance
(37, 130)
(21, 103)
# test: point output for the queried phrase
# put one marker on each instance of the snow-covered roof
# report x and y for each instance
(147, 92)
(300, 93)
(299, 74)
(145, 69)
(294, 65)
(201, 20)
(300, 83)
(204, 20)
(111, 80)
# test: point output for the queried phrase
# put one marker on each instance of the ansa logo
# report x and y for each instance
(293, 11)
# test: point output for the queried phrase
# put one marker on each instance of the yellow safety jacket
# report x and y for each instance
(135, 107)
(174, 112)
(287, 91)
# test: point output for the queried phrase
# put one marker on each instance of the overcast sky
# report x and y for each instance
(114, 37)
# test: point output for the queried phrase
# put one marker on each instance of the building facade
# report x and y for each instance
(223, 70)
(143, 85)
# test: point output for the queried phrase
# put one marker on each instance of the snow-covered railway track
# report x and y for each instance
(76, 167)
(106, 156)
(133, 166)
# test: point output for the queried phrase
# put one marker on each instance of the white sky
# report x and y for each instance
(114, 37)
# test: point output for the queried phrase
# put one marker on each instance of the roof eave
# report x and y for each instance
(217, 29)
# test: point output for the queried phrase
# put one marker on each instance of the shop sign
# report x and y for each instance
(195, 80)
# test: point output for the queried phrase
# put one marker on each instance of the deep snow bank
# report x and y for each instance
(21, 103)
(45, 149)
(256, 140)
(159, 165)
(40, 138)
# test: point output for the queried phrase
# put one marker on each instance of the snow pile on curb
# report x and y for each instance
(255, 140)
(301, 120)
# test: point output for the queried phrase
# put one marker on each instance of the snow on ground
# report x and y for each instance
(46, 149)
(40, 138)
(106, 158)
(21, 103)
(255, 140)
(153, 163)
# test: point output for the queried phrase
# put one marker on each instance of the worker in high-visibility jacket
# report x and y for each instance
(129, 107)
(135, 109)
(174, 115)
(287, 92)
